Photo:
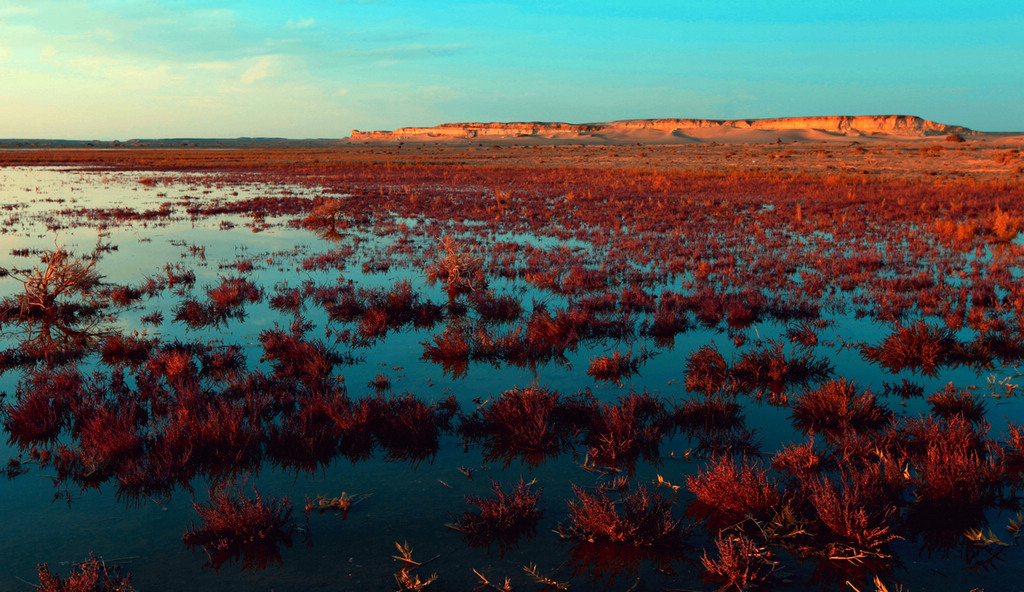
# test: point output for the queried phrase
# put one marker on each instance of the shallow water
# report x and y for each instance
(410, 502)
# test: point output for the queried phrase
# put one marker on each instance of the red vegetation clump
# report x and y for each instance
(44, 406)
(294, 357)
(920, 347)
(310, 436)
(712, 413)
(837, 407)
(118, 348)
(615, 367)
(802, 461)
(857, 511)
(122, 295)
(769, 366)
(644, 520)
(728, 491)
(236, 526)
(619, 434)
(502, 308)
(1014, 453)
(458, 268)
(110, 433)
(287, 300)
(92, 575)
(225, 301)
(740, 564)
(408, 428)
(529, 423)
(952, 401)
(503, 517)
(234, 292)
(706, 370)
(953, 474)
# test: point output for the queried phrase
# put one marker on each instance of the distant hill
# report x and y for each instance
(627, 131)
(164, 143)
(682, 130)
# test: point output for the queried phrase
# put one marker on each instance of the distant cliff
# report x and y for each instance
(902, 125)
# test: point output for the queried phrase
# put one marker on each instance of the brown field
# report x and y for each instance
(997, 156)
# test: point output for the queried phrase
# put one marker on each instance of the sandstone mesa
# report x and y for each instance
(677, 129)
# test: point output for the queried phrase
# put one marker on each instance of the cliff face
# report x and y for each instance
(903, 125)
(837, 124)
(478, 130)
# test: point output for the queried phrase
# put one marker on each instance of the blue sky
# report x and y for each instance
(120, 69)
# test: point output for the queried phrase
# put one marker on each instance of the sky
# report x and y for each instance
(124, 69)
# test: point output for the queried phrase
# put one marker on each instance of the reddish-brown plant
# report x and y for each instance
(503, 517)
(837, 407)
(741, 565)
(644, 520)
(92, 575)
(920, 347)
(236, 526)
(729, 491)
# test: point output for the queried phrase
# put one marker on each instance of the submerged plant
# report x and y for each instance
(728, 491)
(619, 434)
(457, 268)
(644, 520)
(237, 526)
(62, 275)
(503, 517)
(838, 407)
(92, 575)
(740, 564)
(920, 347)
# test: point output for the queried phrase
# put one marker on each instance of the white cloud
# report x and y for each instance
(16, 10)
(47, 53)
(300, 24)
(92, 64)
(217, 66)
(265, 67)
(105, 34)
(5, 54)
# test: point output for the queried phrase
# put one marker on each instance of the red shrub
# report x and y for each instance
(951, 401)
(856, 510)
(770, 366)
(529, 423)
(615, 367)
(920, 347)
(408, 428)
(92, 575)
(645, 519)
(836, 407)
(619, 434)
(233, 293)
(706, 370)
(504, 517)
(296, 358)
(713, 413)
(235, 526)
(728, 491)
(44, 406)
(119, 348)
(800, 460)
(740, 565)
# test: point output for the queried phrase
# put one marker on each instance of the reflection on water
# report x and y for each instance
(209, 376)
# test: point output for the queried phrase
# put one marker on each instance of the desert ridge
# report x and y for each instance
(683, 131)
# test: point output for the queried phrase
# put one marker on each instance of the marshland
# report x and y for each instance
(435, 367)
